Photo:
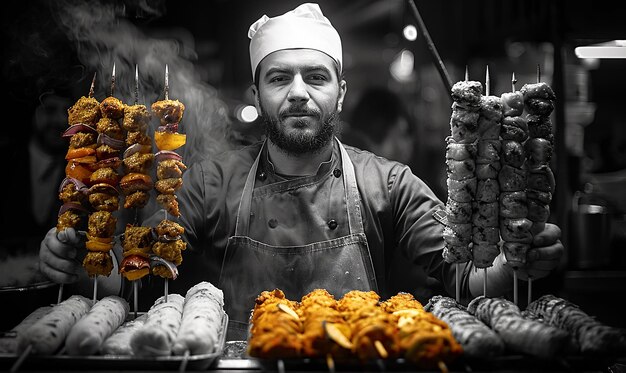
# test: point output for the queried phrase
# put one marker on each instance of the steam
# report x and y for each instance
(103, 37)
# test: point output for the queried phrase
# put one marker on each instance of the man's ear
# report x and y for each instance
(255, 92)
(343, 88)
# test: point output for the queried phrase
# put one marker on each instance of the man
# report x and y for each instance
(300, 211)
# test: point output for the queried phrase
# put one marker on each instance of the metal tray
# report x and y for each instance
(119, 362)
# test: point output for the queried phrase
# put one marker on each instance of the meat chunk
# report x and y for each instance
(86, 110)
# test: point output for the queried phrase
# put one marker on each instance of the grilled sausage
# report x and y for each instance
(476, 338)
(88, 334)
(48, 333)
(519, 334)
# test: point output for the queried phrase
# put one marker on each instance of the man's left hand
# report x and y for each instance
(544, 254)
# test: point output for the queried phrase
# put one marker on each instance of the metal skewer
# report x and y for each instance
(466, 73)
(136, 84)
(167, 82)
(431, 47)
(515, 282)
(113, 80)
(93, 85)
(487, 92)
(530, 279)
(90, 95)
(95, 289)
(16, 365)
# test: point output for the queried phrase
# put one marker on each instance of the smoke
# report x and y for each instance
(103, 37)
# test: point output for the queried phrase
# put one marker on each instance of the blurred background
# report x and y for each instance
(397, 104)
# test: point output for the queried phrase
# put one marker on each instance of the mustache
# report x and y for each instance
(297, 110)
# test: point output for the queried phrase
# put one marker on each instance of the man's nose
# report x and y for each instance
(298, 90)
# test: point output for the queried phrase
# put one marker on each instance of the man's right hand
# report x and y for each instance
(58, 255)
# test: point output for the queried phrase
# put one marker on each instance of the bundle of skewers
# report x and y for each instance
(357, 326)
(499, 180)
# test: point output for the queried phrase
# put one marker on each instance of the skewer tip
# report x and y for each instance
(466, 73)
(513, 81)
(538, 73)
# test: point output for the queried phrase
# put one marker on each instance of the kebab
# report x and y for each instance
(421, 337)
(592, 336)
(82, 134)
(539, 103)
(477, 339)
(170, 167)
(373, 331)
(136, 185)
(513, 199)
(275, 333)
(461, 179)
(485, 232)
(518, 333)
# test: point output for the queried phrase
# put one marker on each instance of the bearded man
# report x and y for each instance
(300, 211)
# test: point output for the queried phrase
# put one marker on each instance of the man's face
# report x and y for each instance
(299, 97)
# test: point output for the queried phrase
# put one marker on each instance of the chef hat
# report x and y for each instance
(303, 27)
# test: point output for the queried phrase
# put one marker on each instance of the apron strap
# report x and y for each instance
(353, 200)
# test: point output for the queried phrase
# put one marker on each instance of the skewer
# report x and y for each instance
(530, 280)
(442, 367)
(431, 47)
(380, 348)
(515, 299)
(136, 84)
(458, 282)
(135, 296)
(166, 290)
(487, 92)
(457, 267)
(60, 296)
(113, 80)
(93, 85)
(95, 289)
(90, 94)
(515, 285)
(183, 363)
(16, 365)
(530, 289)
(485, 282)
(167, 82)
(330, 363)
(280, 365)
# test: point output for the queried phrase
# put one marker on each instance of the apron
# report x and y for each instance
(250, 267)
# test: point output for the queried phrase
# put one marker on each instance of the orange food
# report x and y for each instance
(169, 141)
(98, 246)
(79, 153)
(78, 171)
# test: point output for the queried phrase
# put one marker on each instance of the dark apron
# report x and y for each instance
(250, 267)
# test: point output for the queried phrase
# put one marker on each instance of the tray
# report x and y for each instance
(119, 362)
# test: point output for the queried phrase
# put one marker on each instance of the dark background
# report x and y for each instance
(52, 46)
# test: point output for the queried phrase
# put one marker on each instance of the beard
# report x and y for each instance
(300, 142)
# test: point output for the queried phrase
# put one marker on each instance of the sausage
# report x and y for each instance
(519, 334)
(157, 335)
(203, 313)
(476, 338)
(119, 342)
(593, 336)
(9, 344)
(48, 333)
(88, 334)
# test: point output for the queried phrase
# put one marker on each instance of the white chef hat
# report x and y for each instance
(303, 27)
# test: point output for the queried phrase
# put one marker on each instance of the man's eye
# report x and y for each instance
(277, 79)
(317, 77)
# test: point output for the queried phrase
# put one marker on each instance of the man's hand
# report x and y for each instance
(544, 254)
(58, 255)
